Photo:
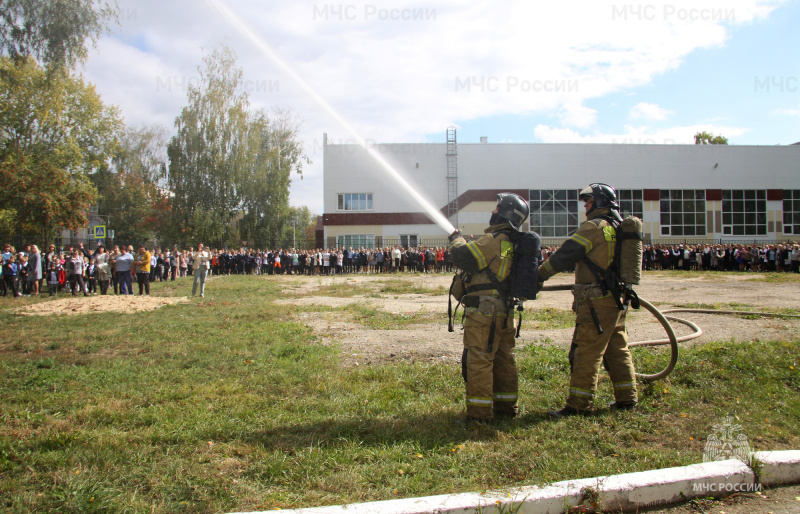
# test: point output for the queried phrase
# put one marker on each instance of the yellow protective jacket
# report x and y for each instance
(494, 252)
(595, 238)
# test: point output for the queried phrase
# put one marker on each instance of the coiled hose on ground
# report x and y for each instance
(672, 339)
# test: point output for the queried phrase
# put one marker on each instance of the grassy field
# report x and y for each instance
(228, 404)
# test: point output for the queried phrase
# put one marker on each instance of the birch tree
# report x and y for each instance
(53, 32)
(229, 165)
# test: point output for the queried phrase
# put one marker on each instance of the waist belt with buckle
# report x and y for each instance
(487, 305)
(586, 291)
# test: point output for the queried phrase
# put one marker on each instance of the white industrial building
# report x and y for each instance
(683, 193)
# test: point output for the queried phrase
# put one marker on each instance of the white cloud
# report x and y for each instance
(648, 111)
(397, 71)
(547, 134)
(578, 116)
(787, 112)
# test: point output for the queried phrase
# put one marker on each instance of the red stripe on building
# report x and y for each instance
(485, 195)
(774, 194)
(377, 218)
(651, 195)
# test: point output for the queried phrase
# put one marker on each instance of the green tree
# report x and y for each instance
(705, 138)
(130, 194)
(204, 164)
(54, 32)
(42, 196)
(272, 153)
(294, 227)
(8, 218)
(53, 127)
(229, 167)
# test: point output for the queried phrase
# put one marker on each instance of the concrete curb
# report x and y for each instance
(628, 492)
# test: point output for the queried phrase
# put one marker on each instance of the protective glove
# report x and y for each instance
(454, 236)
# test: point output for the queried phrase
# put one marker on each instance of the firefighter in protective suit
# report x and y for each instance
(600, 336)
(487, 363)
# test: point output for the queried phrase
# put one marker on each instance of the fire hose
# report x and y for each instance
(673, 339)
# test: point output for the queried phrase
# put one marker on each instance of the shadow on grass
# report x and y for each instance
(429, 431)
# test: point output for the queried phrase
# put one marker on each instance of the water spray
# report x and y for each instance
(243, 29)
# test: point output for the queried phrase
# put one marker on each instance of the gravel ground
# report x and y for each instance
(68, 305)
(432, 342)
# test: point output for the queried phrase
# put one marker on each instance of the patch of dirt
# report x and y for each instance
(70, 305)
(780, 500)
(433, 343)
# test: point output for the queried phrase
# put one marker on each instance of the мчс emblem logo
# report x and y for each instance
(727, 442)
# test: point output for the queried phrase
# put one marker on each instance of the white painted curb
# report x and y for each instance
(778, 468)
(628, 492)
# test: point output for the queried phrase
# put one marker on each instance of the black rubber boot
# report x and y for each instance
(470, 421)
(568, 411)
(615, 406)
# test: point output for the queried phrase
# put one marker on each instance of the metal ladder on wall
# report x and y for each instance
(452, 177)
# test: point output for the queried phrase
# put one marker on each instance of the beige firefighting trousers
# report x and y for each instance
(490, 370)
(589, 350)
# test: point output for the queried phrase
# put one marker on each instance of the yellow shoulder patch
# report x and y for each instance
(610, 233)
(506, 249)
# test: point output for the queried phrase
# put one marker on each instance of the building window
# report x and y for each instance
(355, 240)
(408, 241)
(744, 212)
(554, 212)
(683, 212)
(631, 202)
(791, 212)
(354, 202)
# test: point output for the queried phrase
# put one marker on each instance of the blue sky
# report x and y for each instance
(403, 71)
(721, 85)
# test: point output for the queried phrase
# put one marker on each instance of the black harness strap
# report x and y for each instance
(605, 281)
(491, 335)
(470, 300)
(609, 279)
(481, 287)
(450, 311)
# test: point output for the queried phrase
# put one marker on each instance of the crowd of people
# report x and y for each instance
(719, 257)
(75, 270)
(723, 257)
(332, 261)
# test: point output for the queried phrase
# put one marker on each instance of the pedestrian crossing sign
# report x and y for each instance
(100, 232)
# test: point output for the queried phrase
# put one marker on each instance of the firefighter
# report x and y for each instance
(487, 363)
(600, 335)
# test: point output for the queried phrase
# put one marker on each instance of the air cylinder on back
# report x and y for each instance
(630, 257)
